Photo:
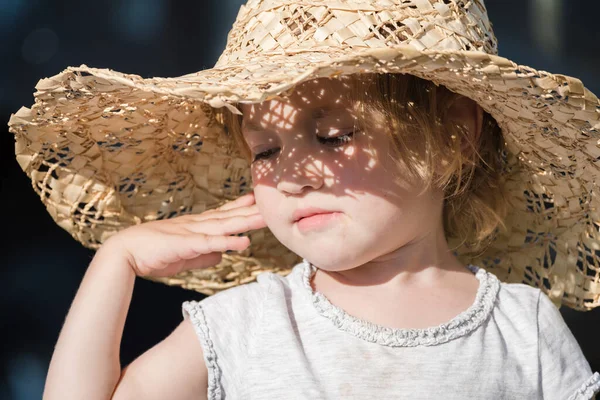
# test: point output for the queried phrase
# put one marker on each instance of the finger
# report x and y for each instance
(205, 244)
(241, 201)
(227, 226)
(222, 214)
(203, 261)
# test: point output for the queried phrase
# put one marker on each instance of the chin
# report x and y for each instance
(329, 261)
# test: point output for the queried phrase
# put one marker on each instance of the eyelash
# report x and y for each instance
(336, 141)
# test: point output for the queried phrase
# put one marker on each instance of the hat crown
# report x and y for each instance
(267, 27)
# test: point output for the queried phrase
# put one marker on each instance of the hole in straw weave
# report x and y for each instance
(188, 142)
(561, 172)
(546, 283)
(539, 204)
(182, 210)
(88, 216)
(44, 190)
(528, 274)
(53, 174)
(234, 187)
(389, 29)
(43, 167)
(587, 260)
(126, 188)
(549, 254)
(531, 236)
(300, 22)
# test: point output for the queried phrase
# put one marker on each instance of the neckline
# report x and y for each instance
(462, 324)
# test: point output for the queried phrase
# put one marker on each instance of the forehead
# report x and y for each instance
(316, 99)
(285, 115)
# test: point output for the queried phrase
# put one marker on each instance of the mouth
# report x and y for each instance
(302, 213)
(312, 215)
(317, 221)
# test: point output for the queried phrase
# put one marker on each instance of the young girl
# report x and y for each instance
(376, 180)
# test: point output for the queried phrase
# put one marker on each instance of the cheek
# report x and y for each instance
(260, 197)
(268, 203)
(260, 172)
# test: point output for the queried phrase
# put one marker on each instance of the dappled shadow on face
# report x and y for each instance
(311, 140)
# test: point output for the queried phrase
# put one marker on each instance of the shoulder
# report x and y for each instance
(240, 304)
(515, 312)
(532, 321)
(519, 296)
(527, 303)
(226, 325)
(241, 301)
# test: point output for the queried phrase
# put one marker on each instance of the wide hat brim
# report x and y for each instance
(106, 150)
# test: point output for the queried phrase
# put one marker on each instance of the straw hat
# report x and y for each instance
(106, 150)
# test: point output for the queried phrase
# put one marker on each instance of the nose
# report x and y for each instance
(296, 172)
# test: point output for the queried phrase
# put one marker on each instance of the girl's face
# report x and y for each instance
(308, 155)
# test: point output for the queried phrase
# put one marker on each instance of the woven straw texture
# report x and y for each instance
(106, 150)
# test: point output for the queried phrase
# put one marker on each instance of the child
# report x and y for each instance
(383, 169)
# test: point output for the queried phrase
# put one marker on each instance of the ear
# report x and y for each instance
(467, 112)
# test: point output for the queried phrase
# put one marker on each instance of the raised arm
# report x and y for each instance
(173, 369)
(85, 363)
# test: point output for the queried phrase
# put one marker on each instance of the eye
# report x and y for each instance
(264, 154)
(336, 140)
(328, 141)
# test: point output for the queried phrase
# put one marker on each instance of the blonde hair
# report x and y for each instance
(428, 150)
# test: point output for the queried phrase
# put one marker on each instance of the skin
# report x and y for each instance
(365, 258)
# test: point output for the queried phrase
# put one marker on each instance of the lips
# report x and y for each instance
(312, 215)
(307, 212)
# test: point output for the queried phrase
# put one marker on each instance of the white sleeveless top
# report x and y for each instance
(276, 338)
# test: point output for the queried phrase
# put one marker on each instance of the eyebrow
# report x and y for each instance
(316, 114)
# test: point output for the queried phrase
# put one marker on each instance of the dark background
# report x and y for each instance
(42, 266)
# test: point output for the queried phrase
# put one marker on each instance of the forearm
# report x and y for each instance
(85, 363)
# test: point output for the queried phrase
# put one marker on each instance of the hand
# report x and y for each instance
(166, 247)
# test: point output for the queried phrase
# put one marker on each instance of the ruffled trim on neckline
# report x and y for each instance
(458, 326)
